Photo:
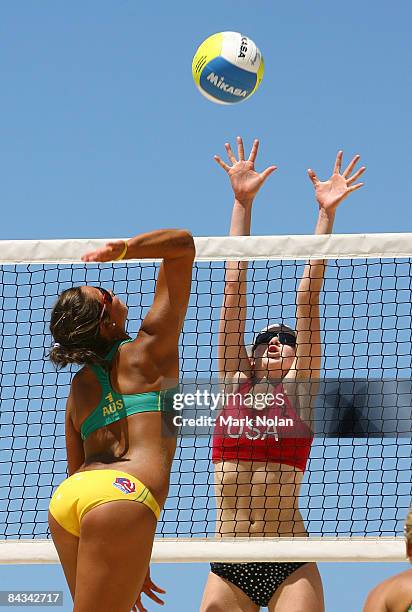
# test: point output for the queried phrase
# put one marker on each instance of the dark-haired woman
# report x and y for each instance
(119, 444)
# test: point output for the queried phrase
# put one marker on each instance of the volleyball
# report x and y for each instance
(227, 68)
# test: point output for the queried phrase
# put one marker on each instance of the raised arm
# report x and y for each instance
(329, 194)
(164, 321)
(246, 182)
(165, 318)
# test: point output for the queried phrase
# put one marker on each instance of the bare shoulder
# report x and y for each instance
(392, 595)
(376, 600)
(134, 348)
(399, 595)
(80, 379)
(83, 388)
(144, 356)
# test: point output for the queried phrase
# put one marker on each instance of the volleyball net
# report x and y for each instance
(357, 486)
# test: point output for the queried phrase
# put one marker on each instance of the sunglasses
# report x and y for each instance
(107, 299)
(283, 337)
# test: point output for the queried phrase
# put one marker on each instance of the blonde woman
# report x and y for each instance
(258, 472)
(394, 594)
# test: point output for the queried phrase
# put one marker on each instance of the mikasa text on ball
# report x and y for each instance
(227, 68)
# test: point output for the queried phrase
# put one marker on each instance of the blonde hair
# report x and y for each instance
(408, 526)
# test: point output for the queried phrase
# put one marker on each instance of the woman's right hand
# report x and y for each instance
(112, 251)
(244, 179)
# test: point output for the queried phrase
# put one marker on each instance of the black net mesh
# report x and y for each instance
(355, 483)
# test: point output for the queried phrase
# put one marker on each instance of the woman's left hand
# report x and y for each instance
(150, 589)
(332, 192)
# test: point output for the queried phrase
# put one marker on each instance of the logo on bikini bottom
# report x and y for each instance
(124, 485)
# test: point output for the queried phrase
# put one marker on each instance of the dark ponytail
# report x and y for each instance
(75, 327)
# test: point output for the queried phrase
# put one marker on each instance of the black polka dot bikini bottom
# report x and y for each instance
(258, 581)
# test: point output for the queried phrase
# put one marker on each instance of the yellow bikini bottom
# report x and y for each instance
(79, 493)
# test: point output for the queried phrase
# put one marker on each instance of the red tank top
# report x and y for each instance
(273, 433)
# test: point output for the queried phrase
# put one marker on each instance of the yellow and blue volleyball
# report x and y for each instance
(227, 68)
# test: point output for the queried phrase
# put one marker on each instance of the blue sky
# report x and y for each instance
(103, 133)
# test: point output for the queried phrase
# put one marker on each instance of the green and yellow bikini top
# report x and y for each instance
(115, 406)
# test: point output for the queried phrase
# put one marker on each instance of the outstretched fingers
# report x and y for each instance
(230, 153)
(313, 177)
(355, 187)
(357, 174)
(254, 151)
(240, 149)
(154, 597)
(221, 163)
(138, 606)
(338, 163)
(243, 166)
(150, 589)
(267, 172)
(351, 166)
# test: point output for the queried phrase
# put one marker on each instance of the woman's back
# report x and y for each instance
(119, 450)
(122, 414)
